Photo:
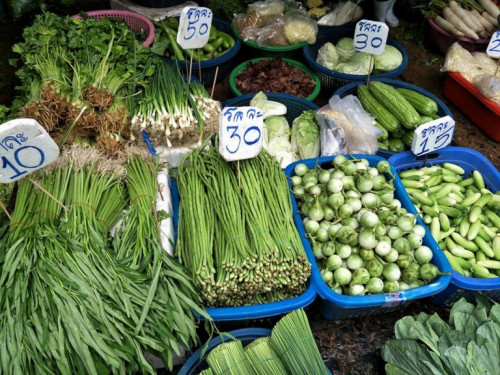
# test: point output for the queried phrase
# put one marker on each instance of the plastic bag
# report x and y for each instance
(358, 126)
(269, 8)
(272, 33)
(489, 86)
(344, 12)
(247, 25)
(299, 27)
(331, 135)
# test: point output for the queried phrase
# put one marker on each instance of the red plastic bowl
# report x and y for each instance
(442, 40)
(135, 21)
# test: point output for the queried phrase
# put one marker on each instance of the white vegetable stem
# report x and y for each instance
(490, 7)
(447, 26)
(452, 17)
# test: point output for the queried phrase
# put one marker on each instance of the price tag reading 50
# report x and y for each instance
(370, 37)
(25, 147)
(194, 27)
(493, 49)
(240, 132)
(433, 135)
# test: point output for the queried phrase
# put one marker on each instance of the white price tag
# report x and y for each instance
(433, 135)
(240, 132)
(25, 147)
(370, 37)
(493, 49)
(194, 27)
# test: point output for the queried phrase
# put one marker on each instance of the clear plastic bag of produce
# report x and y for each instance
(299, 27)
(247, 25)
(269, 8)
(358, 127)
(331, 135)
(272, 33)
(342, 13)
(489, 86)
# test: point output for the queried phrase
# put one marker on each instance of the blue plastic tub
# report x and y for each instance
(469, 160)
(334, 306)
(332, 80)
(196, 363)
(351, 88)
(295, 105)
(209, 67)
(252, 311)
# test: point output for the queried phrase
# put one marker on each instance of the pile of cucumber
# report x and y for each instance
(398, 112)
(463, 216)
(165, 43)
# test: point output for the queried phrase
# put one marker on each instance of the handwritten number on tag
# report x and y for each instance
(6, 163)
(234, 134)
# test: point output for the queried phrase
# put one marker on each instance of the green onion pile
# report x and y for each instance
(462, 214)
(364, 242)
(72, 298)
(290, 349)
(240, 244)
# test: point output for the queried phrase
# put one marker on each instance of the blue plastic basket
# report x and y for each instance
(331, 80)
(469, 160)
(209, 67)
(351, 88)
(334, 306)
(253, 311)
(295, 105)
(196, 363)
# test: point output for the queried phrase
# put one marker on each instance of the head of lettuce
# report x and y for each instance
(305, 135)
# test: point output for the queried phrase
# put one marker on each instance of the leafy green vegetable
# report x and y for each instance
(305, 135)
(327, 56)
(277, 126)
(268, 107)
(389, 60)
(468, 344)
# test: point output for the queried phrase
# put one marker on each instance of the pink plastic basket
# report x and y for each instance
(442, 40)
(133, 20)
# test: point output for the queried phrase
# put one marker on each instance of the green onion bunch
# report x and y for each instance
(229, 358)
(169, 108)
(236, 234)
(294, 342)
(264, 358)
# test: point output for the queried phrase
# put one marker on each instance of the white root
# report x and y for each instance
(445, 25)
(464, 16)
(487, 25)
(451, 17)
(491, 8)
(490, 18)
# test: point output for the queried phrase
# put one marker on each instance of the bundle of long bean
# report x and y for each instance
(294, 342)
(245, 236)
(264, 358)
(229, 358)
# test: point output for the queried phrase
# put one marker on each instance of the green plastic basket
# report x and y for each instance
(270, 51)
(239, 68)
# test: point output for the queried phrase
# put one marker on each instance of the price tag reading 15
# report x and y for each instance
(240, 132)
(493, 49)
(433, 135)
(370, 37)
(194, 27)
(25, 147)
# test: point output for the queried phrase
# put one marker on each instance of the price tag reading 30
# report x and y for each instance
(240, 132)
(493, 49)
(433, 135)
(194, 27)
(25, 147)
(370, 37)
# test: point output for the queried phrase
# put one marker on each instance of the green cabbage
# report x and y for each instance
(277, 126)
(327, 56)
(268, 107)
(356, 68)
(345, 48)
(389, 60)
(364, 59)
(305, 135)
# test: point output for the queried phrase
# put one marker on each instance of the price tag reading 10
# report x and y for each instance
(25, 147)
(433, 135)
(240, 132)
(493, 49)
(194, 27)
(370, 37)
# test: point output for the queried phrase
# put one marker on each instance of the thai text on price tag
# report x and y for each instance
(370, 37)
(194, 27)
(493, 49)
(433, 135)
(25, 147)
(240, 132)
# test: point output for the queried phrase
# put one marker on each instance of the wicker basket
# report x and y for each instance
(133, 20)
(333, 80)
